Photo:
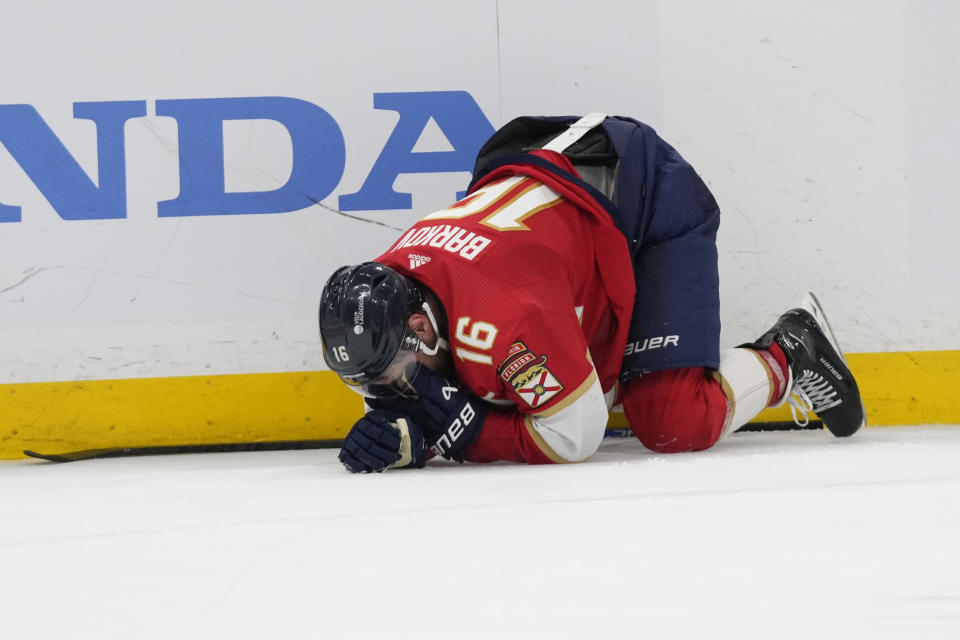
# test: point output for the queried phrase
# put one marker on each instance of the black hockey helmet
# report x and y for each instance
(363, 326)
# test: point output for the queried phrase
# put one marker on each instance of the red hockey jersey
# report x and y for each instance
(537, 286)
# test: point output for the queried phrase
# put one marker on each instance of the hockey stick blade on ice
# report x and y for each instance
(119, 452)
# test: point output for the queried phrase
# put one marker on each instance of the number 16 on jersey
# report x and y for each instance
(479, 336)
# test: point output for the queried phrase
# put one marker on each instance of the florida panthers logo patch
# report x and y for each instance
(529, 376)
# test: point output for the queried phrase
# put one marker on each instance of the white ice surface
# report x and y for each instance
(770, 535)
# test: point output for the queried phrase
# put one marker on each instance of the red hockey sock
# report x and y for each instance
(774, 358)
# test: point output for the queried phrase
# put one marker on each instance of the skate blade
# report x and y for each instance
(811, 304)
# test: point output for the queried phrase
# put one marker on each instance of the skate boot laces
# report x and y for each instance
(812, 393)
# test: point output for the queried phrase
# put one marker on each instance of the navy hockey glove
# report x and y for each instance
(382, 440)
(451, 416)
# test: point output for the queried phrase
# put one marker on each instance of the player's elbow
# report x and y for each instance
(574, 433)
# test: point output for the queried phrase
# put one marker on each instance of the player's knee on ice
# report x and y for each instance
(675, 410)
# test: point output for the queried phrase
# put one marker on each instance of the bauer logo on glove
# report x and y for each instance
(461, 423)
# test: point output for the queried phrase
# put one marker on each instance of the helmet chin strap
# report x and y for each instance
(441, 343)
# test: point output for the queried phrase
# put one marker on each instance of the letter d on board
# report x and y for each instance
(319, 155)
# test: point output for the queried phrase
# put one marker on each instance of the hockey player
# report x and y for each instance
(579, 272)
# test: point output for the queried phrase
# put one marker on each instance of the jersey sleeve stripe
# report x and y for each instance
(541, 444)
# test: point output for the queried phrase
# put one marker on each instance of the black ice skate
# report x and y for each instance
(820, 381)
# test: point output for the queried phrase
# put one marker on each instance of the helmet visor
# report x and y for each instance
(395, 380)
